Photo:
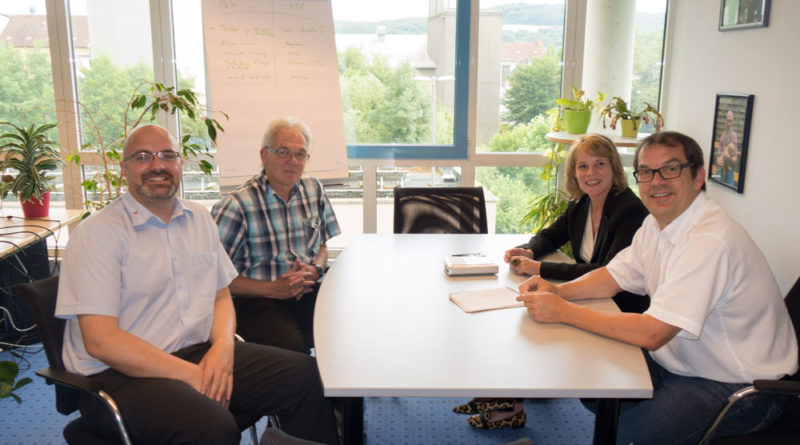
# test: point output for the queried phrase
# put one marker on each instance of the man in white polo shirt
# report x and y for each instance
(716, 320)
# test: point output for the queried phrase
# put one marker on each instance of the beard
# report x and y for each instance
(160, 192)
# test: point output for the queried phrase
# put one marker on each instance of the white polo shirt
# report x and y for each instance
(160, 280)
(705, 275)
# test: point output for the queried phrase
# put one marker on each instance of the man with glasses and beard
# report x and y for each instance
(143, 286)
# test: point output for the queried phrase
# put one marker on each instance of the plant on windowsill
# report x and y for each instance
(8, 374)
(632, 117)
(143, 108)
(31, 154)
(577, 111)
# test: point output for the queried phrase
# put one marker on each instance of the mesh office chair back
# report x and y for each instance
(439, 210)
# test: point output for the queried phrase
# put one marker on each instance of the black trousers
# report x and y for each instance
(286, 324)
(266, 381)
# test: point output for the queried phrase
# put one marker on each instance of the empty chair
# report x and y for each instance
(439, 210)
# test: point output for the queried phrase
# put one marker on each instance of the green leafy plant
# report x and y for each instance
(617, 109)
(31, 153)
(580, 101)
(548, 206)
(8, 374)
(143, 107)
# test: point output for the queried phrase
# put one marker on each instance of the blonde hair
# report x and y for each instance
(595, 145)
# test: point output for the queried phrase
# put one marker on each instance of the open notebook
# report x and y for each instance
(486, 299)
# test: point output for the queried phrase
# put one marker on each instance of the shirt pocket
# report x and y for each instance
(202, 293)
(312, 227)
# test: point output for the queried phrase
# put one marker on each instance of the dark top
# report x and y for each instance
(622, 215)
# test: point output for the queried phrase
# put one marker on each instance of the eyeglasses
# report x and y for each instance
(145, 157)
(666, 172)
(285, 153)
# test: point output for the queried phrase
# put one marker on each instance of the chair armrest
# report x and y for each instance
(69, 379)
(788, 387)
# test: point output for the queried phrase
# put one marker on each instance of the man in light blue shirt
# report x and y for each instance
(149, 316)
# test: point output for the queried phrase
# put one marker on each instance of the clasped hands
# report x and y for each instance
(542, 300)
(298, 281)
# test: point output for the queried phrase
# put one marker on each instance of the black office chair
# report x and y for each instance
(41, 296)
(439, 210)
(786, 429)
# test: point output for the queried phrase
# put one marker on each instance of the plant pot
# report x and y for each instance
(34, 208)
(577, 121)
(628, 128)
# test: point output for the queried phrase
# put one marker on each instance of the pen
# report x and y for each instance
(513, 289)
(468, 254)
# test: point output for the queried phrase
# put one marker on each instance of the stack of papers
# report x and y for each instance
(470, 264)
(486, 300)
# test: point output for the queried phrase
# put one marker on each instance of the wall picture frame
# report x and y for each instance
(729, 140)
(741, 14)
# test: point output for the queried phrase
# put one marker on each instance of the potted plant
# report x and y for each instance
(577, 112)
(32, 153)
(631, 117)
(8, 374)
(145, 103)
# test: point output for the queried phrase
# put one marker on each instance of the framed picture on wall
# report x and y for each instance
(732, 115)
(739, 14)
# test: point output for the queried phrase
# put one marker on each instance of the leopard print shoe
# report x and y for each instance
(481, 405)
(498, 419)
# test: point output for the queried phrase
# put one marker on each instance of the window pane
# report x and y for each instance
(648, 51)
(519, 74)
(111, 64)
(26, 81)
(512, 191)
(190, 61)
(397, 66)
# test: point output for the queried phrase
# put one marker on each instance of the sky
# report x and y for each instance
(361, 10)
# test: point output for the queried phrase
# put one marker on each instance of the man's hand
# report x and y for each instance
(217, 367)
(537, 283)
(523, 265)
(295, 282)
(517, 251)
(544, 307)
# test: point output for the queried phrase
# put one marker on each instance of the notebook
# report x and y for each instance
(470, 264)
(486, 299)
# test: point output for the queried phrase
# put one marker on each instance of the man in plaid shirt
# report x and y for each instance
(275, 228)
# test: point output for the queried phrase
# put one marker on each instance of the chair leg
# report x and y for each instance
(112, 405)
(253, 435)
(735, 397)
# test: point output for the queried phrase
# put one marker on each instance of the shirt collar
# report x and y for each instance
(265, 185)
(688, 217)
(141, 216)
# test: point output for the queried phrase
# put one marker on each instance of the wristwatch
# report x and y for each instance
(320, 270)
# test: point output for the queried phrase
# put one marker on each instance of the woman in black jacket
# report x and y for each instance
(600, 220)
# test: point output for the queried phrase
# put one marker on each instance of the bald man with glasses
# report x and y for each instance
(275, 229)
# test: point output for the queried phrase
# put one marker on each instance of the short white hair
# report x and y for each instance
(286, 123)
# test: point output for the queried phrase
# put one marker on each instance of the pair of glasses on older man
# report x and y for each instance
(145, 157)
(671, 171)
(285, 153)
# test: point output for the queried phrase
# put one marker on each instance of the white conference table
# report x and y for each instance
(384, 326)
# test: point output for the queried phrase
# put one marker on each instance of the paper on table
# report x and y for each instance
(486, 299)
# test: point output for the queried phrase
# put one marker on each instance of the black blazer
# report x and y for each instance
(622, 215)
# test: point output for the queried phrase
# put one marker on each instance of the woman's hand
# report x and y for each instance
(517, 251)
(522, 265)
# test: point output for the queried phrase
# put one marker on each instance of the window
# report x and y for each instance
(26, 81)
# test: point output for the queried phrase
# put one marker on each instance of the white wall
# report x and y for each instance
(760, 61)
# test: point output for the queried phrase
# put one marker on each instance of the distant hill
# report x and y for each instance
(513, 14)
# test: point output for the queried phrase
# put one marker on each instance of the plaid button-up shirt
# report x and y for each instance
(263, 234)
